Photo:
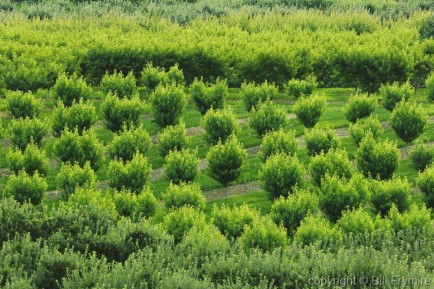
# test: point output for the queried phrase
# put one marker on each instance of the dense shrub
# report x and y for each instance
(116, 83)
(253, 94)
(408, 121)
(425, 182)
(26, 188)
(31, 160)
(416, 218)
(27, 130)
(22, 105)
(168, 103)
(120, 112)
(334, 162)
(71, 89)
(281, 175)
(290, 211)
(364, 126)
(392, 94)
(316, 229)
(219, 125)
(72, 176)
(173, 138)
(359, 106)
(206, 97)
(392, 192)
(356, 222)
(339, 194)
(267, 117)
(132, 175)
(74, 148)
(232, 221)
(279, 141)
(320, 140)
(180, 221)
(263, 234)
(377, 159)
(422, 156)
(297, 88)
(181, 166)
(134, 205)
(429, 82)
(128, 142)
(225, 160)
(80, 115)
(184, 194)
(309, 110)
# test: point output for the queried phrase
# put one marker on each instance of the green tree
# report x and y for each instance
(408, 121)
(181, 166)
(219, 125)
(309, 110)
(168, 103)
(267, 117)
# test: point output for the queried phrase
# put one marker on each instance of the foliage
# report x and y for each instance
(152, 77)
(365, 126)
(79, 115)
(219, 125)
(279, 141)
(320, 140)
(70, 89)
(416, 218)
(359, 106)
(408, 121)
(309, 110)
(253, 94)
(22, 105)
(128, 142)
(225, 160)
(31, 160)
(281, 175)
(73, 176)
(134, 205)
(316, 229)
(392, 94)
(25, 131)
(429, 82)
(173, 138)
(211, 96)
(232, 221)
(181, 166)
(335, 162)
(267, 117)
(26, 188)
(121, 112)
(263, 234)
(422, 156)
(180, 221)
(116, 83)
(426, 29)
(377, 159)
(356, 222)
(168, 103)
(297, 88)
(425, 182)
(184, 194)
(395, 192)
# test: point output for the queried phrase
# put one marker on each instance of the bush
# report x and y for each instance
(281, 175)
(359, 106)
(341, 194)
(31, 160)
(206, 97)
(377, 159)
(297, 88)
(316, 229)
(181, 166)
(363, 127)
(121, 112)
(26, 188)
(263, 234)
(320, 140)
(124, 87)
(135, 205)
(168, 103)
(219, 125)
(385, 194)
(356, 222)
(80, 115)
(429, 82)
(422, 156)
(22, 105)
(392, 94)
(309, 110)
(25, 131)
(408, 121)
(71, 177)
(128, 142)
(415, 219)
(232, 221)
(291, 211)
(132, 175)
(267, 117)
(335, 162)
(70, 89)
(179, 222)
(279, 141)
(74, 148)
(253, 94)
(184, 194)
(425, 182)
(225, 160)
(154, 76)
(173, 138)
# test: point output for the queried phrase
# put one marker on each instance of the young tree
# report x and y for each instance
(128, 142)
(124, 87)
(425, 182)
(315, 229)
(320, 140)
(168, 103)
(24, 131)
(79, 115)
(26, 188)
(385, 194)
(263, 234)
(309, 110)
(296, 88)
(121, 112)
(279, 141)
(181, 166)
(267, 117)
(31, 160)
(180, 221)
(335, 162)
(74, 176)
(71, 89)
(393, 94)
(219, 125)
(359, 106)
(184, 194)
(422, 157)
(365, 126)
(134, 205)
(22, 105)
(232, 221)
(429, 82)
(206, 97)
(173, 138)
(408, 121)
(253, 94)
(356, 222)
